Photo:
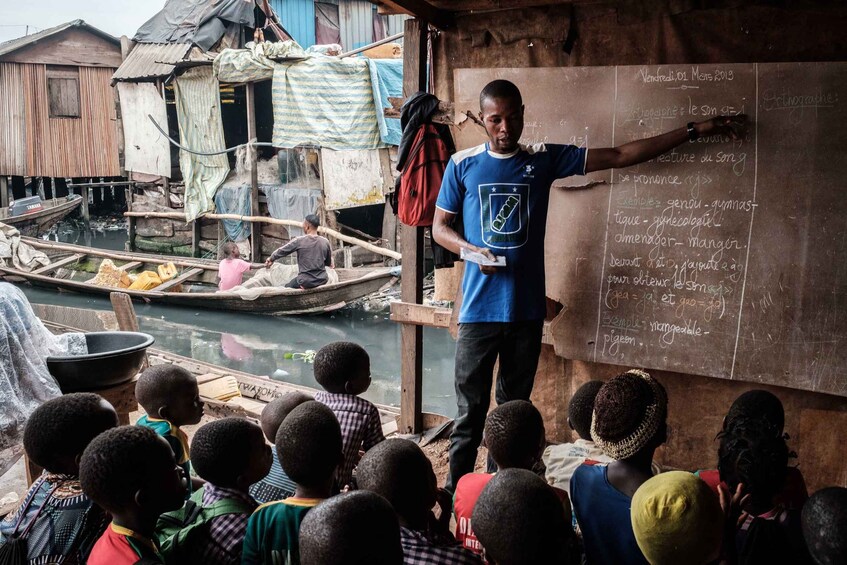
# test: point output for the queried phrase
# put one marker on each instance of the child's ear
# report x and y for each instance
(162, 412)
(347, 387)
(570, 424)
(140, 498)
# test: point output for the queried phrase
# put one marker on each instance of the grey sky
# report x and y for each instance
(117, 17)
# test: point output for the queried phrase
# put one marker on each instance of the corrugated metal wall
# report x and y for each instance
(356, 18)
(394, 25)
(298, 18)
(12, 121)
(39, 145)
(356, 23)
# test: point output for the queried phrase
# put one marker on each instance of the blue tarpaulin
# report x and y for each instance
(387, 80)
(234, 200)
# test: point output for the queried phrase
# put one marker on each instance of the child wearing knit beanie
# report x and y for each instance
(629, 423)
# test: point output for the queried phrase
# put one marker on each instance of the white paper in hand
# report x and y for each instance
(481, 259)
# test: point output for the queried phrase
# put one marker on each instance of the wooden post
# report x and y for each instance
(389, 227)
(255, 229)
(18, 187)
(195, 237)
(127, 322)
(411, 285)
(4, 191)
(166, 186)
(221, 237)
(131, 233)
(85, 214)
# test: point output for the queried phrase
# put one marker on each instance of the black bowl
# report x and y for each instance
(113, 358)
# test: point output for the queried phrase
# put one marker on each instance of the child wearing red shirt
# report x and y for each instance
(131, 473)
(515, 438)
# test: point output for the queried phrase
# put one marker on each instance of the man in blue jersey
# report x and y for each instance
(501, 189)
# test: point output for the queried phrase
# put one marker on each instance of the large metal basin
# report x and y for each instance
(113, 358)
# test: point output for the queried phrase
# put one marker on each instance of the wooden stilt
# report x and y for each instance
(195, 237)
(411, 289)
(131, 233)
(255, 229)
(4, 192)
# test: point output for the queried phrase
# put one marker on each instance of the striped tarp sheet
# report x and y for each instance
(325, 101)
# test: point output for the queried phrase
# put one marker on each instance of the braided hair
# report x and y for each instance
(754, 452)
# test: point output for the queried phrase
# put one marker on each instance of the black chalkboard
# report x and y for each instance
(726, 259)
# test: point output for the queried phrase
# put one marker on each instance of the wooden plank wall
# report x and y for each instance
(57, 147)
(12, 121)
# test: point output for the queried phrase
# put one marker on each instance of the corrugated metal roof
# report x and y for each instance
(151, 60)
(298, 19)
(15, 44)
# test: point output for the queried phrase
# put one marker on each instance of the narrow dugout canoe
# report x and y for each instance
(73, 266)
(39, 222)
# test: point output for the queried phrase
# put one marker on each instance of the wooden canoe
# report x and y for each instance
(197, 278)
(40, 222)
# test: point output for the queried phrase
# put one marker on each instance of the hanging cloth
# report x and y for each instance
(198, 110)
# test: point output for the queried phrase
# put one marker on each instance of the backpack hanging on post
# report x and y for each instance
(420, 178)
(177, 530)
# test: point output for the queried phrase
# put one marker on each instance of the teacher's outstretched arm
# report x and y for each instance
(642, 150)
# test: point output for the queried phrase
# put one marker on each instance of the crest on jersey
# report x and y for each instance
(504, 214)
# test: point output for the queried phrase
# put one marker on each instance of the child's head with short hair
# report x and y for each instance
(58, 431)
(231, 453)
(630, 415)
(131, 471)
(356, 528)
(343, 367)
(676, 518)
(277, 409)
(308, 444)
(399, 471)
(519, 520)
(824, 521)
(758, 403)
(581, 408)
(514, 435)
(752, 452)
(169, 392)
(230, 250)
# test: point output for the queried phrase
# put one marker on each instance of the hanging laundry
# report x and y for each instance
(198, 110)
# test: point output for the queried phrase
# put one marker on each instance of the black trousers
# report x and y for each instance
(518, 345)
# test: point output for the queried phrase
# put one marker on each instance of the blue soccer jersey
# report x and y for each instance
(503, 201)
